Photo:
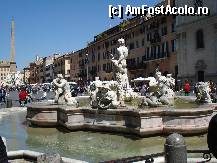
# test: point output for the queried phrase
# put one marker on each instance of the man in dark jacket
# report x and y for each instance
(2, 95)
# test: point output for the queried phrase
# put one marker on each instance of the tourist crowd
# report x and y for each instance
(26, 92)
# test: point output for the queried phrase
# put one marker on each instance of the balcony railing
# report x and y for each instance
(157, 56)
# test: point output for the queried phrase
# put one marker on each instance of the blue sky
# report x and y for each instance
(45, 27)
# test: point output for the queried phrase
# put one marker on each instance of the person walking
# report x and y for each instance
(44, 96)
(187, 88)
(23, 97)
(1, 95)
(143, 90)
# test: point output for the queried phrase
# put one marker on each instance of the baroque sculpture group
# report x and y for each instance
(113, 94)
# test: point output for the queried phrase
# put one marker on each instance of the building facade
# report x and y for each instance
(4, 70)
(44, 70)
(26, 75)
(74, 66)
(197, 43)
(62, 66)
(32, 73)
(151, 42)
(49, 68)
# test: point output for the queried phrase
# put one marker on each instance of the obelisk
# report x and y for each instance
(12, 59)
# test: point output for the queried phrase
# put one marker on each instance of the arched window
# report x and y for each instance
(199, 39)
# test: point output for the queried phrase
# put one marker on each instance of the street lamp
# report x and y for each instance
(87, 67)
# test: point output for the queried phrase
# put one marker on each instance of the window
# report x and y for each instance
(137, 61)
(132, 46)
(104, 55)
(143, 42)
(132, 34)
(133, 61)
(148, 52)
(154, 51)
(148, 37)
(93, 57)
(107, 44)
(98, 56)
(199, 39)
(163, 49)
(107, 54)
(158, 51)
(173, 45)
(167, 47)
(137, 44)
(104, 67)
(99, 67)
(164, 31)
(200, 76)
(108, 66)
(114, 51)
(163, 20)
(173, 27)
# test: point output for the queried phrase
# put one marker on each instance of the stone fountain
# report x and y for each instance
(108, 110)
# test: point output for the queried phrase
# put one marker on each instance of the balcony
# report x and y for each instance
(108, 71)
(155, 57)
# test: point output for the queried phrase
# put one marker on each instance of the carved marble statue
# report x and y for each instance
(212, 93)
(165, 88)
(203, 92)
(62, 92)
(161, 90)
(93, 89)
(120, 72)
(103, 95)
(112, 94)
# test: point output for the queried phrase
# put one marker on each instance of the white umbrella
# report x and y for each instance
(149, 79)
(139, 79)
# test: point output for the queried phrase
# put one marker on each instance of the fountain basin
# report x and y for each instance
(147, 122)
(31, 156)
(43, 115)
